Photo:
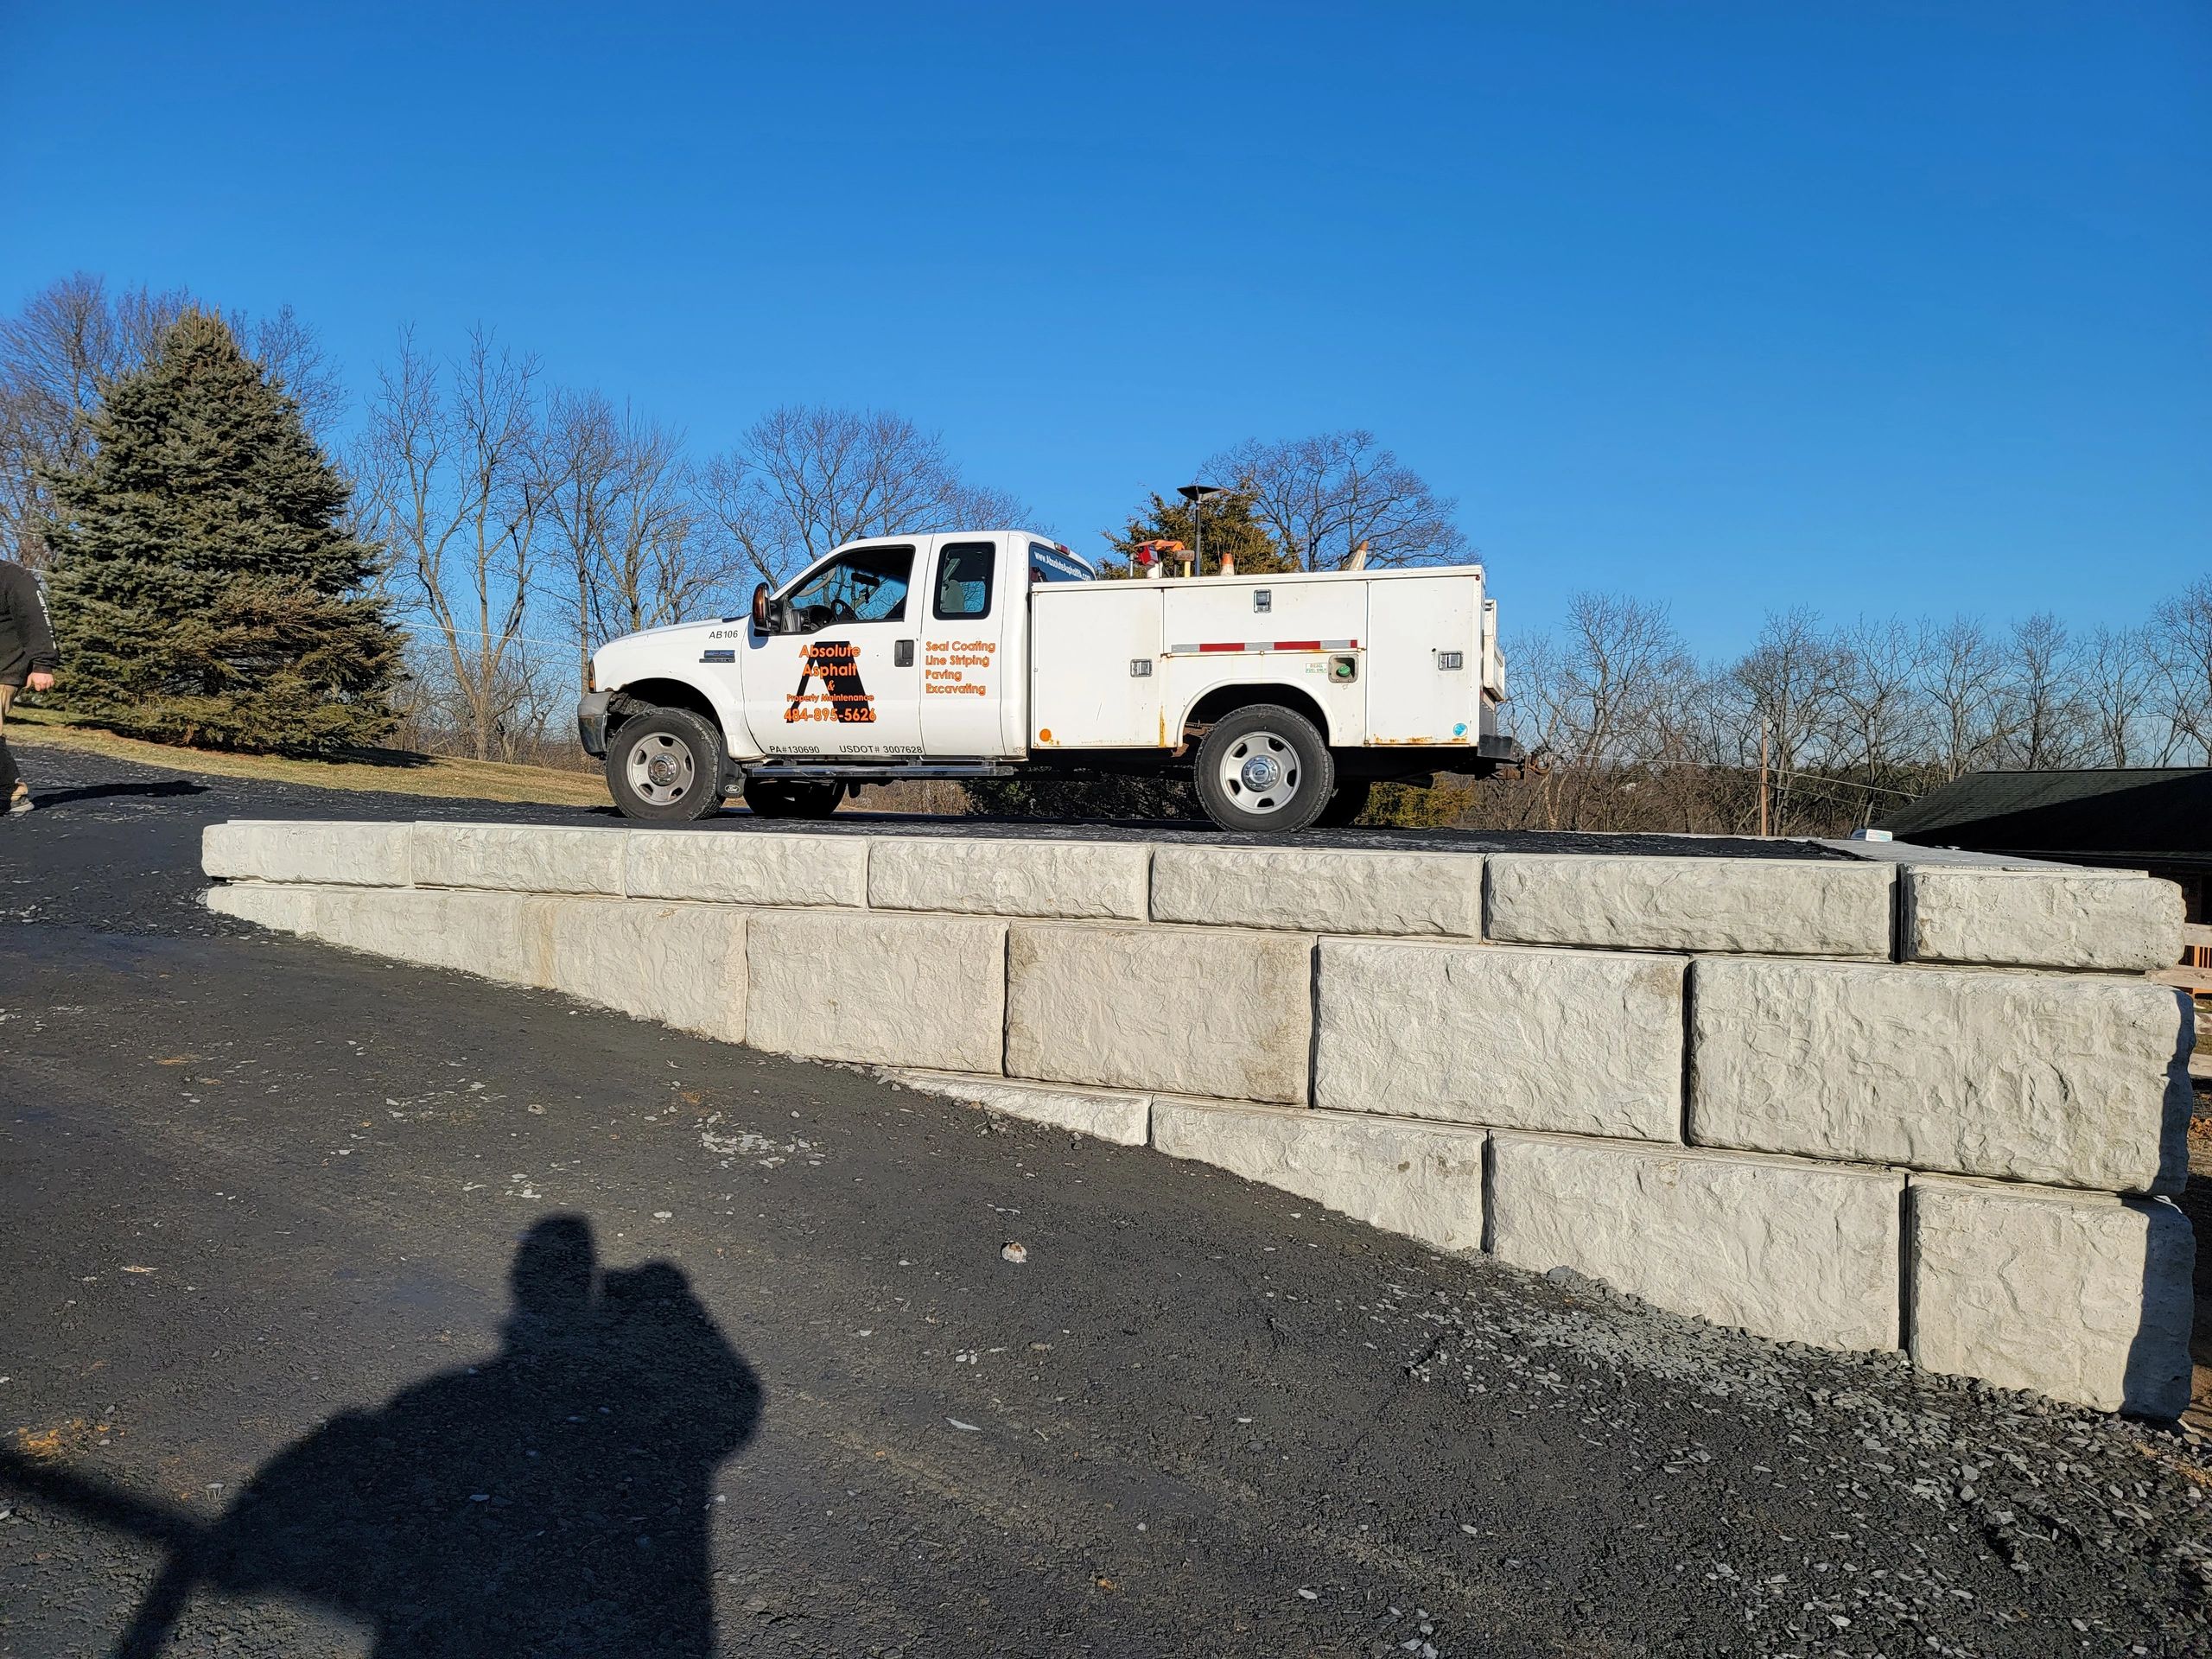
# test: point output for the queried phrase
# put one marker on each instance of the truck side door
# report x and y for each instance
(975, 586)
(846, 679)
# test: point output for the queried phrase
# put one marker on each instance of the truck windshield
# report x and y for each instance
(867, 585)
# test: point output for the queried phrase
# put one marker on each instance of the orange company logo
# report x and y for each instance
(843, 698)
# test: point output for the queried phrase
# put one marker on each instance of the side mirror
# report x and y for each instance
(762, 609)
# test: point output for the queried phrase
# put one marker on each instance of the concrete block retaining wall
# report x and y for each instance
(1861, 1104)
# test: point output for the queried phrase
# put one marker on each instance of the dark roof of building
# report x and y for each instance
(2157, 815)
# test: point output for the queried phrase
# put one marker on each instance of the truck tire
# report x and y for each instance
(665, 766)
(1347, 803)
(792, 797)
(1265, 768)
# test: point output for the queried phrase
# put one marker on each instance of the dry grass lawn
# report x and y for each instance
(392, 771)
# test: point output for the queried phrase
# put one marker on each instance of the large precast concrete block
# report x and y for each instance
(1103, 1113)
(2066, 1080)
(501, 936)
(1072, 879)
(2081, 1296)
(2117, 921)
(1190, 1011)
(518, 858)
(681, 964)
(1773, 906)
(732, 867)
(285, 908)
(877, 987)
(1793, 1250)
(1422, 1179)
(359, 854)
(1317, 890)
(1578, 1041)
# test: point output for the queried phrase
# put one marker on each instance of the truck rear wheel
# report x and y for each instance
(1265, 768)
(665, 766)
(792, 797)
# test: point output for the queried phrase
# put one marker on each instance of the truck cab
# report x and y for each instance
(990, 652)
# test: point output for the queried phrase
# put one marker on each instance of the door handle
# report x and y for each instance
(902, 653)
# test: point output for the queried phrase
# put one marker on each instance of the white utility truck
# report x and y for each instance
(989, 654)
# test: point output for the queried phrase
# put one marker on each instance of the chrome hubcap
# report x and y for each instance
(661, 769)
(1260, 772)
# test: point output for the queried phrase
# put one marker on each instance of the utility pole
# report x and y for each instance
(1763, 814)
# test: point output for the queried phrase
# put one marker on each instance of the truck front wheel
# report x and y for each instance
(665, 766)
(1265, 768)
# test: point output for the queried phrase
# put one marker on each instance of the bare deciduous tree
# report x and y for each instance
(801, 479)
(445, 470)
(1788, 686)
(2118, 690)
(2181, 634)
(1323, 497)
(640, 549)
(1879, 671)
(1965, 691)
(2043, 710)
(1604, 702)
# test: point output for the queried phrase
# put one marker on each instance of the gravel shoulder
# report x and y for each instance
(265, 1199)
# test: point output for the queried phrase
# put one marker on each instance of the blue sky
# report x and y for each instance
(1863, 307)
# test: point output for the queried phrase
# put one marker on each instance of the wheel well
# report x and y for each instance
(1227, 699)
(640, 695)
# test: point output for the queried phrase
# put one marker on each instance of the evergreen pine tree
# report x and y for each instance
(203, 589)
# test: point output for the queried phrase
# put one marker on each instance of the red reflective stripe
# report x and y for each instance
(1268, 644)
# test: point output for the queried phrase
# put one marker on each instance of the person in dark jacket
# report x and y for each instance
(27, 659)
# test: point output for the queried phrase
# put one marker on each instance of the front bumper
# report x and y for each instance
(591, 720)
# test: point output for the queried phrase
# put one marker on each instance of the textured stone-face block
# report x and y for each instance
(363, 854)
(286, 909)
(2128, 924)
(502, 936)
(1072, 879)
(681, 964)
(883, 989)
(2067, 1081)
(1103, 1114)
(1415, 1178)
(1797, 1251)
(498, 935)
(518, 858)
(1773, 906)
(1580, 1042)
(2081, 1296)
(1319, 892)
(1191, 1011)
(735, 868)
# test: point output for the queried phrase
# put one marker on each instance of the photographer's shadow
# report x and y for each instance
(550, 1501)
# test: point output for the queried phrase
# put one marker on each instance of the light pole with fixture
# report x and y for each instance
(1198, 495)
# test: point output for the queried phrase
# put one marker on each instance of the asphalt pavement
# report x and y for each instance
(348, 1306)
